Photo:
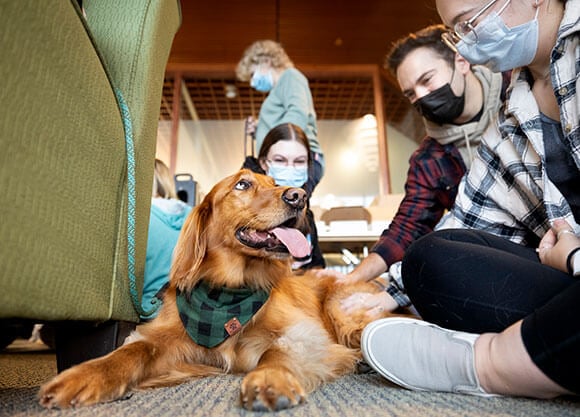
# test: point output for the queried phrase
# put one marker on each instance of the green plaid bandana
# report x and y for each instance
(211, 315)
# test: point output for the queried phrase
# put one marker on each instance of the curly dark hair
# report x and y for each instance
(429, 37)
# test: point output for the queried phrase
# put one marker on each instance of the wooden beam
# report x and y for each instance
(386, 75)
(359, 70)
(228, 70)
(201, 70)
(384, 175)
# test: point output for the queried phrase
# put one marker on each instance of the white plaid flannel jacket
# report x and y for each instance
(507, 191)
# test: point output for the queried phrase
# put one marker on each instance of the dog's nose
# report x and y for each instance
(295, 197)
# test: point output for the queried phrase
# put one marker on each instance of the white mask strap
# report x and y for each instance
(504, 6)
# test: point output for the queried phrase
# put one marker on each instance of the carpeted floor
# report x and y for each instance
(23, 368)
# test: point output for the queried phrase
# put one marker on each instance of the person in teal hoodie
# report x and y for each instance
(165, 222)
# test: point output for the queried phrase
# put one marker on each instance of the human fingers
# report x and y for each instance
(356, 301)
(547, 242)
(332, 273)
(557, 245)
(339, 277)
(566, 238)
(250, 125)
(562, 228)
(375, 312)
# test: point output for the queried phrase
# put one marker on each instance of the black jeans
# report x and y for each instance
(476, 282)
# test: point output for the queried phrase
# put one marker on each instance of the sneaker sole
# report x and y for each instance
(368, 333)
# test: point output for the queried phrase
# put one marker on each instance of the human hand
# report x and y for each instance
(375, 303)
(556, 244)
(333, 273)
(251, 124)
(339, 277)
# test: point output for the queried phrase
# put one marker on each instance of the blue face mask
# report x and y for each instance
(498, 47)
(288, 176)
(262, 82)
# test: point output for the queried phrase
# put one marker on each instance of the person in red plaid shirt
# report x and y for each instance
(457, 102)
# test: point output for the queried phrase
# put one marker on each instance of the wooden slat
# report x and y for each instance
(325, 38)
(312, 32)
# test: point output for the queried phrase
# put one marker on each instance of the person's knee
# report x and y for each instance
(412, 256)
(414, 260)
(422, 249)
(434, 246)
(421, 259)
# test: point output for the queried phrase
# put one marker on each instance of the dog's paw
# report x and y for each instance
(271, 390)
(79, 386)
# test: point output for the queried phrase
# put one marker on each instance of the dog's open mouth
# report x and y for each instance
(278, 239)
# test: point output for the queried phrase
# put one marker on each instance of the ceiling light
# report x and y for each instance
(231, 91)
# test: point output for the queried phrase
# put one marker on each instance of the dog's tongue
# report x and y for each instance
(294, 240)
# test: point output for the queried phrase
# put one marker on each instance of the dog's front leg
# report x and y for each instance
(272, 385)
(99, 380)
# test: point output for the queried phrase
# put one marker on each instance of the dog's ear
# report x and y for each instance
(191, 247)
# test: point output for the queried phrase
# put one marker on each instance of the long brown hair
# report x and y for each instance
(285, 131)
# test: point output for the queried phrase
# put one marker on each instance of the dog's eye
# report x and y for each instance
(243, 185)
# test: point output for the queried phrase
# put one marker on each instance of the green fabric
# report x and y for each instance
(211, 315)
(63, 164)
(60, 164)
(134, 38)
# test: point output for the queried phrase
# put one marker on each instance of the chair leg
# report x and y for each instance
(79, 341)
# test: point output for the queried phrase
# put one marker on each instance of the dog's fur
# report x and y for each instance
(298, 340)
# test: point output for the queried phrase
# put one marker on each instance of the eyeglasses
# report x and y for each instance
(465, 30)
(283, 162)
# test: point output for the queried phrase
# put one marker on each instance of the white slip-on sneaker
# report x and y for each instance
(421, 356)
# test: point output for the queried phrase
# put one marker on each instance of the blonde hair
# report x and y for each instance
(163, 182)
(259, 51)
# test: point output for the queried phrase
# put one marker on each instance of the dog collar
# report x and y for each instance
(211, 315)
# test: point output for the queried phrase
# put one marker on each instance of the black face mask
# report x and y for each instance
(441, 106)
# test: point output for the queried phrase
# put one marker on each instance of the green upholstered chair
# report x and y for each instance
(63, 161)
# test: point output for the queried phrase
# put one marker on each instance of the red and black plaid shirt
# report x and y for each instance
(432, 181)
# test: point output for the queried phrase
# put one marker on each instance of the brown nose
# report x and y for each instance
(295, 197)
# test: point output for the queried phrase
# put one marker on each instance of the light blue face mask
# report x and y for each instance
(288, 176)
(262, 82)
(498, 47)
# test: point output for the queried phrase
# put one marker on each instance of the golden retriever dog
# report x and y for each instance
(233, 306)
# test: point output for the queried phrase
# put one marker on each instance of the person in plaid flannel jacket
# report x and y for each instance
(425, 68)
(497, 288)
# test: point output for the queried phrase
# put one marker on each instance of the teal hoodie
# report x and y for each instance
(165, 223)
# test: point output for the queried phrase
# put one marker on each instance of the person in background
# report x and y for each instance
(285, 156)
(457, 103)
(269, 69)
(501, 301)
(168, 214)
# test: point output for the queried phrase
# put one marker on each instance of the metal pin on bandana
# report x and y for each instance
(233, 326)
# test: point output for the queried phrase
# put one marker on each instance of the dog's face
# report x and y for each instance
(261, 216)
(244, 216)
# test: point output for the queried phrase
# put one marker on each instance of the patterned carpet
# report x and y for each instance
(24, 367)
